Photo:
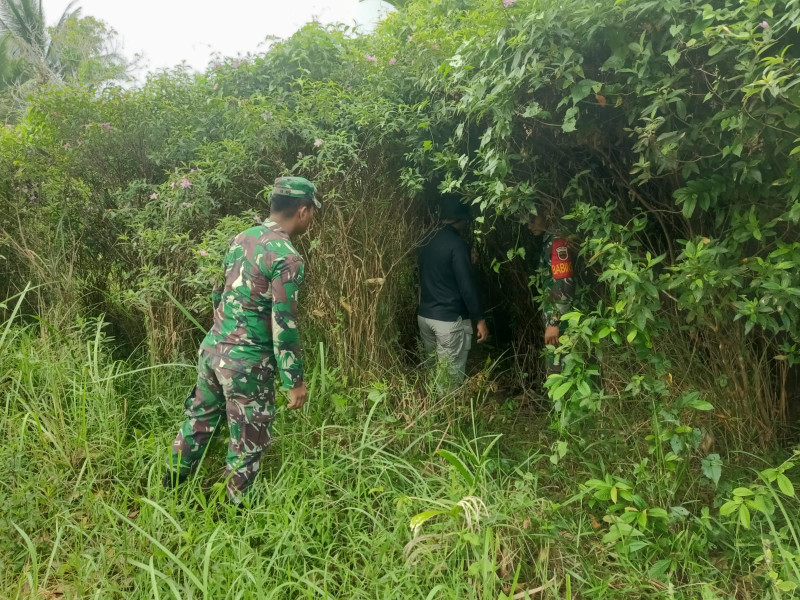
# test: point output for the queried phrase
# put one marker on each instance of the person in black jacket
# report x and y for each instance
(449, 302)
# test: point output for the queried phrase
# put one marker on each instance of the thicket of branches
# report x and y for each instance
(665, 130)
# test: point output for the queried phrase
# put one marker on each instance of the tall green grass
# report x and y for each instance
(356, 499)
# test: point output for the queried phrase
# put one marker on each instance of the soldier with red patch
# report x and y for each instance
(556, 283)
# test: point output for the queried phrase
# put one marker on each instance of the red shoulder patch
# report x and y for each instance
(560, 261)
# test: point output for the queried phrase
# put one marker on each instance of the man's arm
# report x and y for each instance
(462, 268)
(286, 281)
(219, 286)
(216, 294)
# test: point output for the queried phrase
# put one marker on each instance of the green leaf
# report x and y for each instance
(660, 568)
(711, 466)
(689, 204)
(757, 503)
(533, 110)
(562, 389)
(743, 492)
(744, 516)
(604, 331)
(632, 335)
(729, 508)
(571, 315)
(701, 405)
(458, 465)
(580, 90)
(570, 120)
(673, 56)
(785, 484)
(420, 518)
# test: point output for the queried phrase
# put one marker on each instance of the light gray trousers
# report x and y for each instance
(450, 341)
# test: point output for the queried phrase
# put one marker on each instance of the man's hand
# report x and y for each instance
(297, 397)
(551, 335)
(483, 331)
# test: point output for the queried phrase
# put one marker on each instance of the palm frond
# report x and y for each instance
(24, 20)
(68, 12)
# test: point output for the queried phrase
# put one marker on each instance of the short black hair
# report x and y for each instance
(453, 209)
(288, 205)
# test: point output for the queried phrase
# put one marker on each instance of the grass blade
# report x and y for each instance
(179, 563)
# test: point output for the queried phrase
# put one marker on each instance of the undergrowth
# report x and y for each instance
(464, 498)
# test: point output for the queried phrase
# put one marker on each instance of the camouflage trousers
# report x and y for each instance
(247, 398)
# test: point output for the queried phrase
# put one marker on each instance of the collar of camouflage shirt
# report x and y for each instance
(273, 226)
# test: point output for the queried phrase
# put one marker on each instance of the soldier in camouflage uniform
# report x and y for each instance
(254, 336)
(556, 283)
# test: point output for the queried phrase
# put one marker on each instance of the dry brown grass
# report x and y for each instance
(361, 290)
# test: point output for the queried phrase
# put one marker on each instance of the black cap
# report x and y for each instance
(453, 209)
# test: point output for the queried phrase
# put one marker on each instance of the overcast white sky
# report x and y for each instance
(167, 32)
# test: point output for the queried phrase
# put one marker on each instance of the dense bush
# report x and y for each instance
(681, 116)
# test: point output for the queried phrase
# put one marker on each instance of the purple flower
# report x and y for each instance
(411, 38)
(217, 64)
(216, 87)
(318, 142)
(508, 3)
(67, 146)
(154, 196)
(106, 126)
(172, 185)
(392, 60)
(203, 253)
(256, 218)
(436, 46)
(185, 183)
(764, 25)
(371, 58)
(33, 197)
(236, 64)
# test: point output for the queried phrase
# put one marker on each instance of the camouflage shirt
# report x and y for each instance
(255, 311)
(556, 278)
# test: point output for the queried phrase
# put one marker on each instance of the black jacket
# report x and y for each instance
(446, 279)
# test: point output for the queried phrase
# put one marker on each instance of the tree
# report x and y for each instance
(27, 43)
(85, 51)
(78, 50)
